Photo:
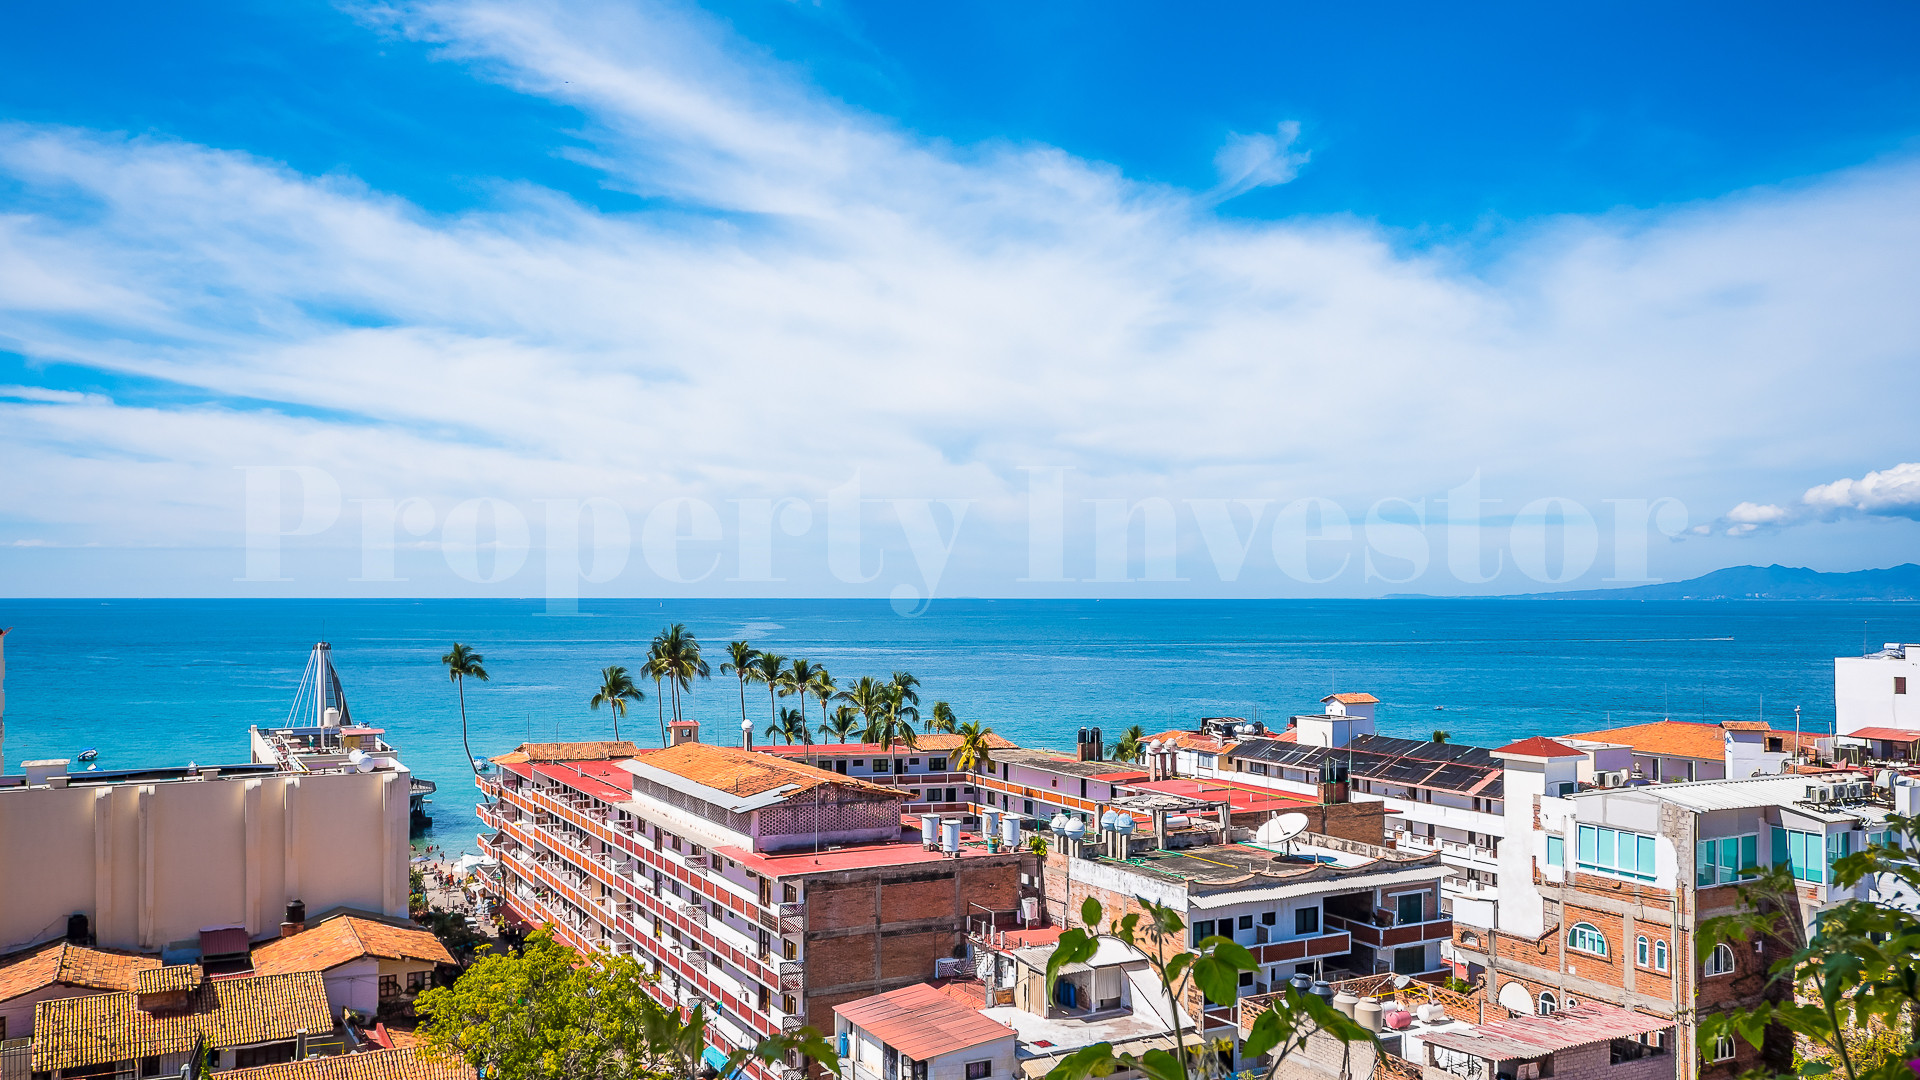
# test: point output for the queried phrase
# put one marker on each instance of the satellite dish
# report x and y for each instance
(1283, 828)
(1400, 982)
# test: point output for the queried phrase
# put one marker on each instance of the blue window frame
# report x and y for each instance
(1556, 852)
(1615, 851)
(1808, 854)
(1718, 861)
(1587, 938)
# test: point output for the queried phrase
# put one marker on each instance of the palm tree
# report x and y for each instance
(943, 721)
(616, 689)
(1132, 744)
(889, 727)
(770, 668)
(798, 680)
(740, 665)
(821, 686)
(792, 727)
(679, 654)
(909, 693)
(866, 696)
(656, 668)
(1442, 736)
(463, 664)
(975, 752)
(841, 726)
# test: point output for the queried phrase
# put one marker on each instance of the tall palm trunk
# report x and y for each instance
(461, 683)
(743, 698)
(660, 707)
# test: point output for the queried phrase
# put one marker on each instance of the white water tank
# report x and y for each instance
(330, 718)
(950, 836)
(929, 831)
(1010, 831)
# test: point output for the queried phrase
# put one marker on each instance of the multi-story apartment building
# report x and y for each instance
(769, 889)
(1878, 690)
(1603, 890)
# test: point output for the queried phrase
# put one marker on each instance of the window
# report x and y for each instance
(1614, 851)
(1557, 851)
(1306, 920)
(979, 1070)
(1547, 1004)
(1807, 853)
(1246, 922)
(1268, 918)
(939, 764)
(881, 764)
(1026, 807)
(150, 1066)
(1246, 978)
(1470, 939)
(1202, 931)
(416, 981)
(1899, 684)
(1722, 1049)
(1410, 908)
(1640, 950)
(1719, 962)
(248, 1057)
(1586, 938)
(1719, 862)
(1660, 955)
(389, 988)
(1410, 960)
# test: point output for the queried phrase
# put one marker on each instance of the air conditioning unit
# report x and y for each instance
(1823, 793)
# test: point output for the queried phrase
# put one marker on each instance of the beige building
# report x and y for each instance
(153, 857)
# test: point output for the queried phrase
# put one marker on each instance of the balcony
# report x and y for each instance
(793, 974)
(792, 917)
(1395, 934)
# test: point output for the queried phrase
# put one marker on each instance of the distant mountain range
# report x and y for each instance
(1765, 583)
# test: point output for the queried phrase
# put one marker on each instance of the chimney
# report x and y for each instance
(77, 929)
(296, 919)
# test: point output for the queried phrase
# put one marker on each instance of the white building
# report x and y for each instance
(1872, 691)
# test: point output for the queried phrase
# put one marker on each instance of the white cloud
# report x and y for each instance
(1256, 161)
(829, 293)
(1891, 492)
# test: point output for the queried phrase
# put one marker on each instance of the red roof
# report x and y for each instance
(1886, 734)
(864, 857)
(921, 1022)
(1241, 798)
(1743, 725)
(1351, 699)
(1539, 747)
(604, 780)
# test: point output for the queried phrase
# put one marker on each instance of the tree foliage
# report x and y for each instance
(1213, 967)
(1853, 984)
(547, 1013)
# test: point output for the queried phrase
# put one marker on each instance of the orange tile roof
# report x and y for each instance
(1743, 725)
(1351, 699)
(1673, 738)
(1193, 740)
(921, 1022)
(400, 1063)
(57, 962)
(345, 938)
(745, 772)
(74, 1032)
(568, 751)
(170, 979)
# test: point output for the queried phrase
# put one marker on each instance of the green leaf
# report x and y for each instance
(1219, 982)
(1267, 1032)
(1075, 946)
(1095, 1060)
(1815, 1068)
(1160, 1065)
(1179, 964)
(1230, 952)
(1090, 911)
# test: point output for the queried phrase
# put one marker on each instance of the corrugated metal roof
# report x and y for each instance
(1524, 1037)
(1743, 794)
(921, 1022)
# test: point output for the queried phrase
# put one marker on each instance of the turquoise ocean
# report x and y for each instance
(164, 682)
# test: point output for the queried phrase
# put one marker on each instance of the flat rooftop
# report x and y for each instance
(1068, 765)
(1214, 867)
(1241, 798)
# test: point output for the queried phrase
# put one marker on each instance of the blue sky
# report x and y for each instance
(1261, 252)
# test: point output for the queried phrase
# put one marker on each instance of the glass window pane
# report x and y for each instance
(1749, 851)
(1778, 848)
(1645, 846)
(1703, 863)
(1556, 851)
(1588, 843)
(1606, 852)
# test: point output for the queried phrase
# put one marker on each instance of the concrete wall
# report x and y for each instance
(1863, 692)
(154, 863)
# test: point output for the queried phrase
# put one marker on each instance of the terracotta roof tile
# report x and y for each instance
(74, 1032)
(569, 751)
(1193, 740)
(400, 1063)
(57, 962)
(1743, 725)
(1674, 738)
(1539, 747)
(345, 938)
(745, 772)
(1351, 699)
(921, 1022)
(169, 979)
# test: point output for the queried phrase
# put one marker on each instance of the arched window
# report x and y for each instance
(1586, 938)
(1719, 961)
(1547, 1004)
(1660, 955)
(1640, 950)
(1470, 939)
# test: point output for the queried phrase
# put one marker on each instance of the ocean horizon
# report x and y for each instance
(164, 682)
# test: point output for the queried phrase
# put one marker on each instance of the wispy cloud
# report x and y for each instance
(818, 292)
(1256, 161)
(1893, 493)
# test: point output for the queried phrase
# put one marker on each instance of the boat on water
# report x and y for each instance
(89, 754)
